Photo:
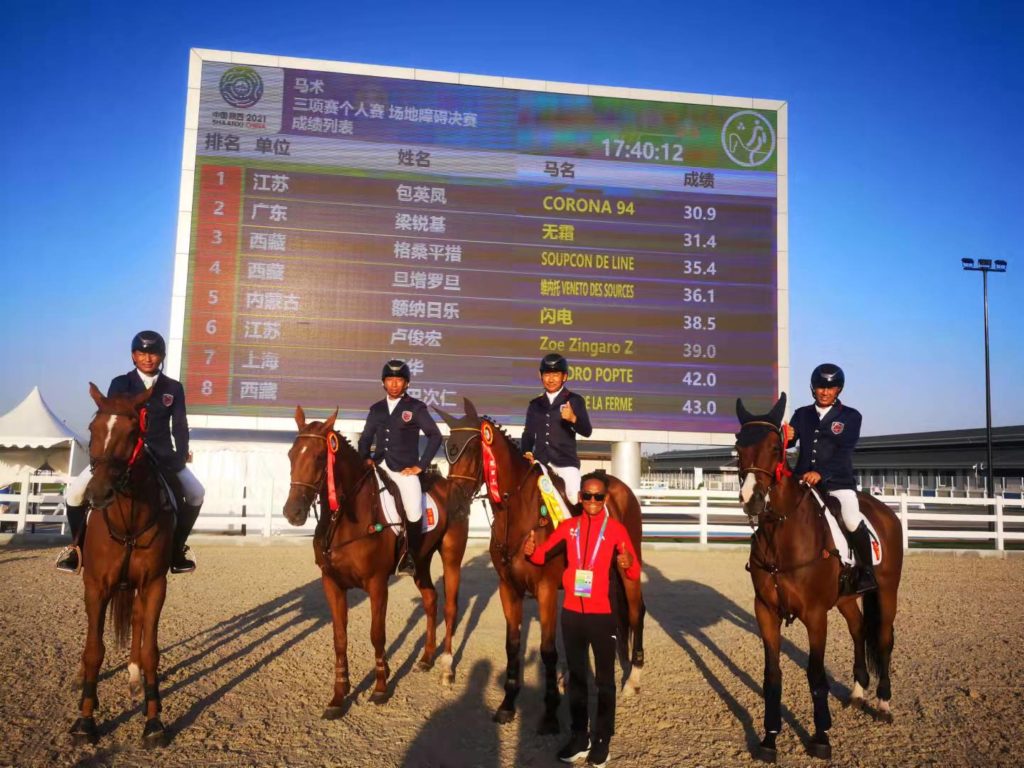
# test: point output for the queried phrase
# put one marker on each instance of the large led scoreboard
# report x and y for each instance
(337, 215)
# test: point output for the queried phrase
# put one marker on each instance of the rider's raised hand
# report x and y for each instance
(789, 432)
(531, 544)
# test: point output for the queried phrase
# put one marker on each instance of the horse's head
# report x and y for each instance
(308, 455)
(760, 446)
(115, 440)
(464, 431)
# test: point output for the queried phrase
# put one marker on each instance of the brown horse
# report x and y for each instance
(796, 575)
(355, 547)
(125, 559)
(516, 506)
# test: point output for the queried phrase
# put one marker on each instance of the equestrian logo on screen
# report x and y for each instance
(241, 87)
(748, 138)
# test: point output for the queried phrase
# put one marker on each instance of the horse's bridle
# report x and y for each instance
(462, 449)
(315, 487)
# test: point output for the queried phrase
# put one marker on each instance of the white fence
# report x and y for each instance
(702, 516)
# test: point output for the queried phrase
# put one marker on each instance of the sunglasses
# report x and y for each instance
(585, 496)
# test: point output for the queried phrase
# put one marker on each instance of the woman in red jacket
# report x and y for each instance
(594, 543)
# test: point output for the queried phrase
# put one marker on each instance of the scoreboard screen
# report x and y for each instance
(335, 216)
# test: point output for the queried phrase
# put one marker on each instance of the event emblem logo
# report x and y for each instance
(837, 427)
(241, 87)
(748, 138)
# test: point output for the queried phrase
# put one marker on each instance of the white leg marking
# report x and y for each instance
(748, 487)
(858, 692)
(445, 661)
(134, 680)
(110, 432)
(632, 685)
(883, 705)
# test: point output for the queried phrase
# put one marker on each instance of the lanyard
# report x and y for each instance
(597, 546)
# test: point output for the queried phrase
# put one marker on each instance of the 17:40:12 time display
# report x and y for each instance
(643, 150)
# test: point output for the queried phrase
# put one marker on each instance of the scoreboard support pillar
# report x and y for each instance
(626, 462)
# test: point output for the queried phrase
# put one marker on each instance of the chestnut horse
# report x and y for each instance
(355, 547)
(796, 575)
(125, 558)
(516, 506)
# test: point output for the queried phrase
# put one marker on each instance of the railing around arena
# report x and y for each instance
(701, 516)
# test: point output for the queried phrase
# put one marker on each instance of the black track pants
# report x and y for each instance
(582, 632)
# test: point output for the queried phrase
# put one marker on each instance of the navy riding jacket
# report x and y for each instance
(551, 438)
(394, 437)
(165, 417)
(826, 444)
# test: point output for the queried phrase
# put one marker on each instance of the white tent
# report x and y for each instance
(32, 437)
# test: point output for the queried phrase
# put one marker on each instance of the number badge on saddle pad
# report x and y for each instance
(838, 427)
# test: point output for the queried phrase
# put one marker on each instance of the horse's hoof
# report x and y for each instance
(332, 713)
(549, 726)
(884, 716)
(379, 697)
(504, 716)
(854, 702)
(819, 747)
(447, 678)
(84, 731)
(424, 665)
(154, 734)
(629, 691)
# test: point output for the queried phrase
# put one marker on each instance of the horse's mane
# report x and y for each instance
(501, 428)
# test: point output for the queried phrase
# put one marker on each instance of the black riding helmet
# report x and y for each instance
(149, 341)
(554, 363)
(827, 375)
(395, 368)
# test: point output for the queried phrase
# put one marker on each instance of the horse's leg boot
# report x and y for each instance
(70, 558)
(181, 561)
(861, 541)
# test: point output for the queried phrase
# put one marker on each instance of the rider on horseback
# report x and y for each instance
(828, 432)
(165, 417)
(553, 420)
(392, 429)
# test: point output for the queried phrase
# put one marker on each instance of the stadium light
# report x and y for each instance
(985, 266)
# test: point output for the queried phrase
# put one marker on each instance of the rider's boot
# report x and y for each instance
(412, 540)
(70, 558)
(181, 561)
(861, 541)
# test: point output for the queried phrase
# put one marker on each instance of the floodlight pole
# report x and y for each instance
(985, 266)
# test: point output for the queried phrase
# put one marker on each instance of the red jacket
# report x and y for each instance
(588, 528)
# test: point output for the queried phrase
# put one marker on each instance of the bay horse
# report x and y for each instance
(796, 575)
(516, 507)
(355, 547)
(125, 559)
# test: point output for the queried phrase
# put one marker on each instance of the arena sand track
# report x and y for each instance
(247, 662)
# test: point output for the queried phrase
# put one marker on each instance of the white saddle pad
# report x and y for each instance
(387, 502)
(428, 521)
(840, 540)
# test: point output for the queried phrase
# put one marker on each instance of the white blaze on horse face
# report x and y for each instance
(747, 491)
(110, 432)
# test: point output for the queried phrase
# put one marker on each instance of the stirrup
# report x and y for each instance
(65, 554)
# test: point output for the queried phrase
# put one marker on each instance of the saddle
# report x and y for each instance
(847, 553)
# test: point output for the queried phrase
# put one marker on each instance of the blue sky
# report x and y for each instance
(905, 122)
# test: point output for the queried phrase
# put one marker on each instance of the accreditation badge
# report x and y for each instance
(584, 583)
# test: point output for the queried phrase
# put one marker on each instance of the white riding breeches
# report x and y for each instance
(193, 490)
(409, 488)
(849, 508)
(571, 477)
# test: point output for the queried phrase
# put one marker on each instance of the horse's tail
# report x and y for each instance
(872, 628)
(121, 613)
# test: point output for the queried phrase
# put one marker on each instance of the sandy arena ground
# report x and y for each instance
(247, 668)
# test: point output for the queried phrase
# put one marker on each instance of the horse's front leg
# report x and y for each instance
(637, 611)
(429, 595)
(337, 601)
(378, 589)
(453, 548)
(769, 624)
(134, 656)
(817, 632)
(96, 598)
(855, 622)
(547, 607)
(512, 605)
(152, 598)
